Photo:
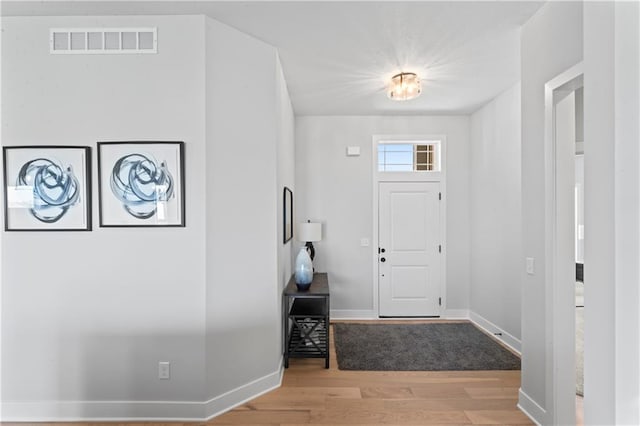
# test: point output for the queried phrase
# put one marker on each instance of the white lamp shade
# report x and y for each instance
(309, 231)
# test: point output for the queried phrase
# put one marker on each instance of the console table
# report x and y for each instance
(306, 320)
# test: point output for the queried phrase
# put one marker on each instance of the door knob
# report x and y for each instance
(382, 259)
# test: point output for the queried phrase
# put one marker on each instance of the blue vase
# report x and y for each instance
(303, 269)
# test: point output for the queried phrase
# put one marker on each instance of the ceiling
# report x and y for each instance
(337, 56)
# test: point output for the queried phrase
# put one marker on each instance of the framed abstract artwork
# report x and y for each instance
(287, 210)
(47, 188)
(141, 184)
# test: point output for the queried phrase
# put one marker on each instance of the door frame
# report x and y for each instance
(561, 336)
(409, 177)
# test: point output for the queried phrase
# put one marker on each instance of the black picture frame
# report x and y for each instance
(141, 184)
(287, 215)
(47, 188)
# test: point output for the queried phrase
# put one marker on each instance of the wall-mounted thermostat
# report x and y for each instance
(353, 151)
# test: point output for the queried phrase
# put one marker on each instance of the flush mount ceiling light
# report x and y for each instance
(404, 86)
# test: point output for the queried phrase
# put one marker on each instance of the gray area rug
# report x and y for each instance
(419, 347)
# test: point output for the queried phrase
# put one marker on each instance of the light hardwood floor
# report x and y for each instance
(313, 395)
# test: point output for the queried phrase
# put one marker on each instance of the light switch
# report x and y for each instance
(164, 370)
(364, 242)
(530, 265)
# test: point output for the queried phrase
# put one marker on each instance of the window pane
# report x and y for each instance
(399, 158)
(397, 147)
(398, 168)
(408, 157)
(424, 167)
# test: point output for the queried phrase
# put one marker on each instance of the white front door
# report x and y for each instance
(409, 270)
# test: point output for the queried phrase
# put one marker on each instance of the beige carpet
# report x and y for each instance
(579, 339)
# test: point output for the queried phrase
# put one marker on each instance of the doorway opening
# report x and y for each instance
(579, 252)
(563, 127)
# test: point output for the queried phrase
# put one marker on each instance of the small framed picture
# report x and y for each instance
(141, 184)
(47, 188)
(288, 214)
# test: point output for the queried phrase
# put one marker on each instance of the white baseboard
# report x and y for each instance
(122, 411)
(89, 411)
(455, 314)
(229, 400)
(536, 413)
(353, 314)
(349, 314)
(492, 329)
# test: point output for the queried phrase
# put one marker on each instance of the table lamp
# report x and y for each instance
(310, 232)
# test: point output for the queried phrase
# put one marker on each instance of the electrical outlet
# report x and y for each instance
(164, 370)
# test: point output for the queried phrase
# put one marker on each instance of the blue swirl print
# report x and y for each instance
(140, 184)
(55, 189)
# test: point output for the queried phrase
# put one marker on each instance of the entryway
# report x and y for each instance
(409, 225)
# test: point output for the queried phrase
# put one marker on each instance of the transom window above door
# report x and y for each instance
(409, 156)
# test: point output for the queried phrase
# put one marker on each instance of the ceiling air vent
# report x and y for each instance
(103, 40)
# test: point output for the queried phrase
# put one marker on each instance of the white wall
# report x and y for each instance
(83, 325)
(242, 205)
(86, 316)
(286, 177)
(551, 43)
(611, 111)
(337, 190)
(496, 235)
(251, 155)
